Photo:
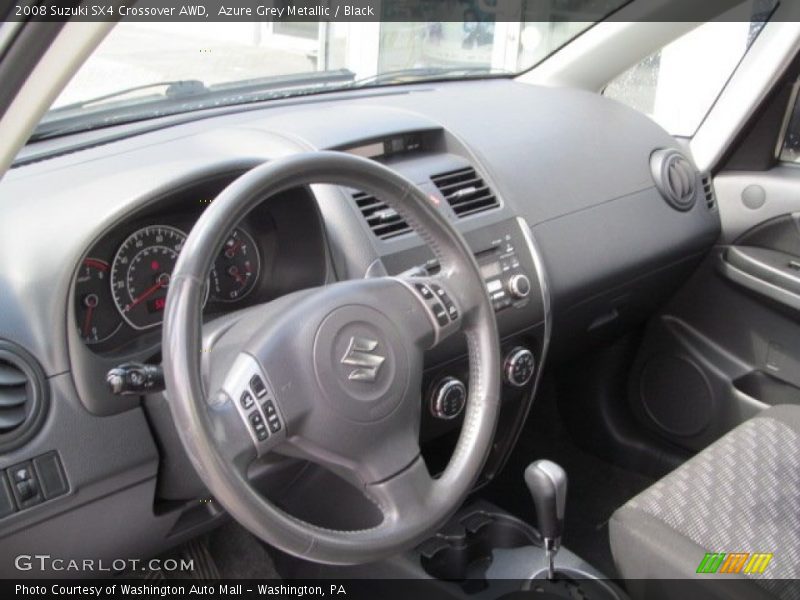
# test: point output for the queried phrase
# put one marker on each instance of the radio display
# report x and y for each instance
(490, 270)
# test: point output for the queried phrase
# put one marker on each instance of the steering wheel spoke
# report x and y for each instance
(405, 496)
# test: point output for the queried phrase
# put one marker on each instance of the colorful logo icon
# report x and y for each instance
(734, 562)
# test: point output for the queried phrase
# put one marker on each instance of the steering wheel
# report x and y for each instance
(331, 374)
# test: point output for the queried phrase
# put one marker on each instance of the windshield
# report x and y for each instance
(147, 69)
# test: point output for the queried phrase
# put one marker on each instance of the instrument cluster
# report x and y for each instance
(132, 288)
(129, 290)
(121, 285)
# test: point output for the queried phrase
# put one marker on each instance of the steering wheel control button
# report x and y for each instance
(448, 398)
(519, 367)
(247, 401)
(273, 420)
(424, 291)
(259, 428)
(250, 391)
(441, 315)
(258, 387)
(452, 311)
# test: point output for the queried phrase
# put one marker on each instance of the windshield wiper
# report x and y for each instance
(175, 89)
(421, 73)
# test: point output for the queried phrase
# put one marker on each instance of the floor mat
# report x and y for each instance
(228, 552)
(595, 488)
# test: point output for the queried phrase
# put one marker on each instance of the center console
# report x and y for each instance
(515, 285)
(481, 553)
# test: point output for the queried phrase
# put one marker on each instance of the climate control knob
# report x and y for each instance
(519, 286)
(519, 367)
(448, 399)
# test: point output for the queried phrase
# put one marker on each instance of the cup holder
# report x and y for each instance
(463, 551)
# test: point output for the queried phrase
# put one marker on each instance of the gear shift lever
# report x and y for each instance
(547, 483)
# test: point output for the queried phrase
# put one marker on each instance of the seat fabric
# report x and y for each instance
(739, 495)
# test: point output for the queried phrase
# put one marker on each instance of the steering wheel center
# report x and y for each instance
(361, 363)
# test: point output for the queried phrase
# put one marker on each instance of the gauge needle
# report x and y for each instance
(231, 251)
(146, 294)
(234, 272)
(90, 302)
(87, 322)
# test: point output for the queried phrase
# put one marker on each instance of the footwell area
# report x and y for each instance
(595, 489)
(228, 552)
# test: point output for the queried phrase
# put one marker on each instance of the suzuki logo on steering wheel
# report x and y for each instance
(361, 354)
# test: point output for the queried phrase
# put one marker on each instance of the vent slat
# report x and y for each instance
(481, 201)
(11, 418)
(465, 191)
(445, 188)
(13, 396)
(10, 375)
(384, 221)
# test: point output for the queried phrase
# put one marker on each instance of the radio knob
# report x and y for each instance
(448, 398)
(519, 367)
(519, 285)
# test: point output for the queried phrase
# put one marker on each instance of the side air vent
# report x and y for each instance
(708, 191)
(465, 191)
(675, 178)
(385, 222)
(22, 398)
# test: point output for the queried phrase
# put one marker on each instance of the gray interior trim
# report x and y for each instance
(760, 285)
(780, 186)
(787, 117)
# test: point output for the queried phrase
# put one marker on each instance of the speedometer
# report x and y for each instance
(141, 273)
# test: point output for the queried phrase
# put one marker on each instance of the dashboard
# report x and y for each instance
(552, 189)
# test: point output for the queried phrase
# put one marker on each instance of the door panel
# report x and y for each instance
(727, 345)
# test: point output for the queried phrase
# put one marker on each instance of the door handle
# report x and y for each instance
(773, 274)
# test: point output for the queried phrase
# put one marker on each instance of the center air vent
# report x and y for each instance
(385, 222)
(21, 396)
(465, 191)
(675, 178)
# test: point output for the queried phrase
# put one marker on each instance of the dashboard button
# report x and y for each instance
(246, 400)
(448, 398)
(519, 286)
(519, 367)
(24, 485)
(51, 475)
(6, 499)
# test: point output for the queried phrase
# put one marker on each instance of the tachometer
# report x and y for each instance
(97, 319)
(141, 272)
(236, 269)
